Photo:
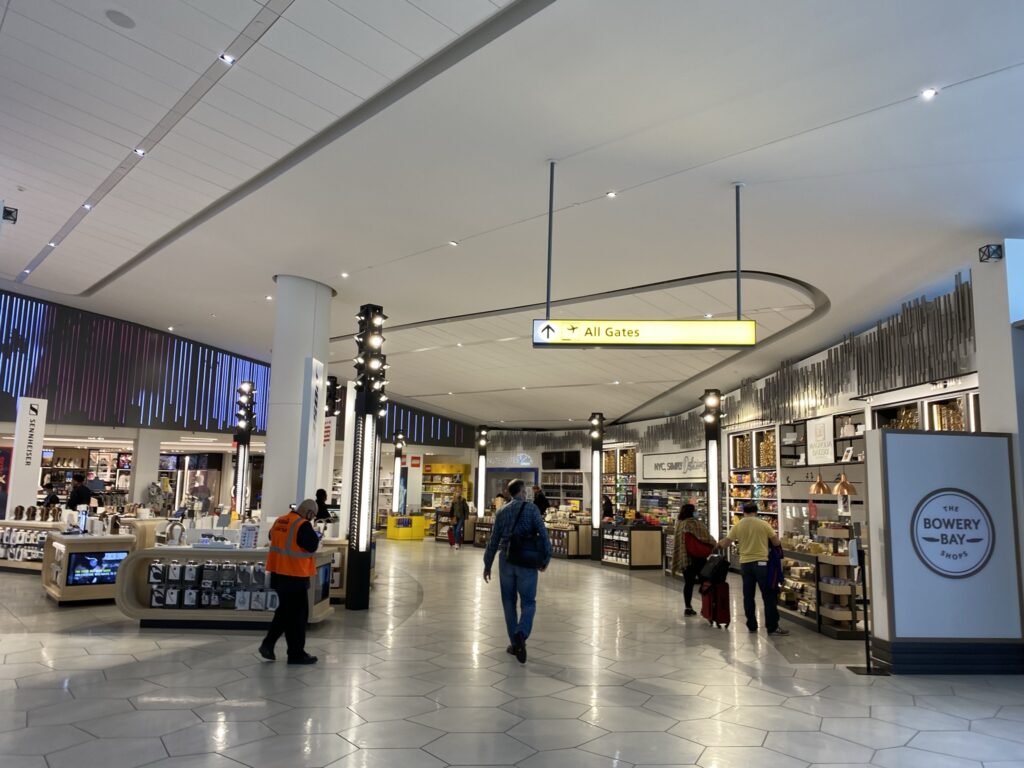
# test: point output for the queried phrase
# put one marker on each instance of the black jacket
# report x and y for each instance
(541, 502)
(79, 496)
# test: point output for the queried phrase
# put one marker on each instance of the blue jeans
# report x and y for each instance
(755, 576)
(459, 525)
(520, 582)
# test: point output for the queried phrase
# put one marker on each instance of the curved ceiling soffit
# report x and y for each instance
(819, 301)
(459, 49)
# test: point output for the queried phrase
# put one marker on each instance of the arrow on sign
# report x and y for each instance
(547, 330)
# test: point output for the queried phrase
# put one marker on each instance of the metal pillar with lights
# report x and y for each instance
(370, 406)
(481, 469)
(712, 417)
(396, 482)
(245, 422)
(596, 469)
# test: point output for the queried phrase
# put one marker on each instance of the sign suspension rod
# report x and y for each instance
(739, 291)
(551, 222)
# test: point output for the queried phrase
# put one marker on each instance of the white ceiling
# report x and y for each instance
(854, 184)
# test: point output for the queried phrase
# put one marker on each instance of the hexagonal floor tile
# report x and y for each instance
(391, 734)
(604, 695)
(314, 720)
(658, 686)
(469, 696)
(400, 686)
(388, 758)
(321, 696)
(309, 750)
(468, 720)
(569, 758)
(745, 757)
(109, 753)
(68, 712)
(544, 708)
(235, 710)
(742, 695)
(920, 719)
(176, 698)
(627, 719)
(213, 737)
(771, 719)
(41, 740)
(719, 733)
(644, 747)
(524, 687)
(148, 723)
(685, 707)
(904, 757)
(969, 745)
(868, 732)
(555, 734)
(393, 707)
(815, 705)
(470, 749)
(817, 747)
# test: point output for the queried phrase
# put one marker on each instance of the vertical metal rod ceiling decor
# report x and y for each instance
(739, 291)
(551, 226)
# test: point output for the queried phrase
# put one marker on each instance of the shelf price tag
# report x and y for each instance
(644, 334)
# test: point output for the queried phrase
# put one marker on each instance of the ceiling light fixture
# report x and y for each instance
(27, 271)
(140, 151)
(708, 315)
(451, 393)
(522, 387)
(610, 194)
(929, 93)
(52, 244)
(269, 298)
(170, 327)
(344, 275)
(819, 487)
(453, 243)
(228, 59)
(87, 206)
(458, 344)
(615, 382)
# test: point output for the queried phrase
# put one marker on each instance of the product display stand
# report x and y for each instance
(869, 667)
(21, 544)
(482, 531)
(570, 540)
(338, 549)
(633, 547)
(157, 594)
(407, 527)
(82, 567)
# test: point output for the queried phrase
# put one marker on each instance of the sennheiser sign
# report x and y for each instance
(28, 450)
(952, 533)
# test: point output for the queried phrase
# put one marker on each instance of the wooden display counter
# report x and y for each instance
(79, 567)
(415, 531)
(570, 540)
(135, 593)
(21, 544)
(632, 547)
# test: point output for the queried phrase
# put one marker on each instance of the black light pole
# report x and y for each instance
(396, 483)
(481, 469)
(370, 406)
(596, 476)
(245, 423)
(712, 417)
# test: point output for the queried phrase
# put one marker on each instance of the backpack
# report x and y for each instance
(524, 551)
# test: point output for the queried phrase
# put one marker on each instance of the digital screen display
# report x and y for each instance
(324, 572)
(124, 461)
(168, 462)
(93, 567)
(47, 457)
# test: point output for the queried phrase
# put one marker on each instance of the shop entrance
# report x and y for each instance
(498, 479)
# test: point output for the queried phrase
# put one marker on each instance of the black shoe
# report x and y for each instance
(752, 631)
(779, 632)
(267, 652)
(303, 659)
(511, 650)
(520, 646)
(689, 612)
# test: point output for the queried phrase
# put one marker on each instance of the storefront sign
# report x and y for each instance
(27, 454)
(821, 441)
(952, 533)
(510, 459)
(684, 465)
(644, 333)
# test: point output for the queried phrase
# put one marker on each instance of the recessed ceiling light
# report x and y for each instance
(140, 151)
(615, 382)
(708, 315)
(213, 316)
(610, 194)
(170, 327)
(453, 243)
(119, 19)
(87, 206)
(269, 298)
(929, 93)
(458, 344)
(522, 387)
(451, 393)
(501, 421)
(571, 419)
(27, 271)
(344, 275)
(52, 244)
(227, 58)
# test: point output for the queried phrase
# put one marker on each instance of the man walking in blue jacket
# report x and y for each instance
(522, 519)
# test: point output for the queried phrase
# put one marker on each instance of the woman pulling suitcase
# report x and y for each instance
(692, 546)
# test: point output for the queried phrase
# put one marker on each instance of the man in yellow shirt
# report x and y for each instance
(754, 536)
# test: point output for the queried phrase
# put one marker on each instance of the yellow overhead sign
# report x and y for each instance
(643, 333)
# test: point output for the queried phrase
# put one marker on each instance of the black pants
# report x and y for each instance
(290, 620)
(755, 577)
(691, 576)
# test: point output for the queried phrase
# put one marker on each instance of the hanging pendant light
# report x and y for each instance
(844, 487)
(819, 487)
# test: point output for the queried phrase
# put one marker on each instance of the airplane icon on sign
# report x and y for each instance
(572, 328)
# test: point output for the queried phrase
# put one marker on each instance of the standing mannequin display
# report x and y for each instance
(291, 562)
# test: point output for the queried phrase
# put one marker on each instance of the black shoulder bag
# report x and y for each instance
(524, 551)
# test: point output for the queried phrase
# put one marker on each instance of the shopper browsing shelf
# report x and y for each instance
(291, 562)
(458, 512)
(754, 536)
(80, 494)
(692, 544)
(607, 508)
(50, 498)
(521, 536)
(322, 512)
(540, 501)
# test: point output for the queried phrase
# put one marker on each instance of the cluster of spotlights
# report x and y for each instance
(245, 412)
(371, 363)
(597, 426)
(331, 405)
(481, 437)
(712, 400)
(399, 442)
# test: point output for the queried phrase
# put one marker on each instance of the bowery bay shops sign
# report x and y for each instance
(952, 533)
(682, 466)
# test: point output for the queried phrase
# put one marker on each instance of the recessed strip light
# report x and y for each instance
(227, 58)
(929, 93)
(344, 275)
(27, 271)
(87, 206)
(611, 194)
(140, 151)
(52, 244)
(170, 327)
(453, 243)
(708, 315)
(269, 298)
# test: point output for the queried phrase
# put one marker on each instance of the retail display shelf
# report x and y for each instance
(83, 568)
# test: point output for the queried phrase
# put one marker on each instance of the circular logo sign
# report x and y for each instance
(952, 533)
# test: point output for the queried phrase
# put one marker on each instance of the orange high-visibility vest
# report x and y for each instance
(286, 557)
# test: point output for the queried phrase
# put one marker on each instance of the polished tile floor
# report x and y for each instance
(615, 679)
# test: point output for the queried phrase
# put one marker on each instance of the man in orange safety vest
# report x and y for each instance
(291, 562)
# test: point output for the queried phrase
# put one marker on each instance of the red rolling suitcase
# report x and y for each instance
(451, 535)
(714, 603)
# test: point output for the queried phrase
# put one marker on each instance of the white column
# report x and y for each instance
(145, 463)
(998, 286)
(301, 331)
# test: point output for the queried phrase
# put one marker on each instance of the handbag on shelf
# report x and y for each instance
(524, 551)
